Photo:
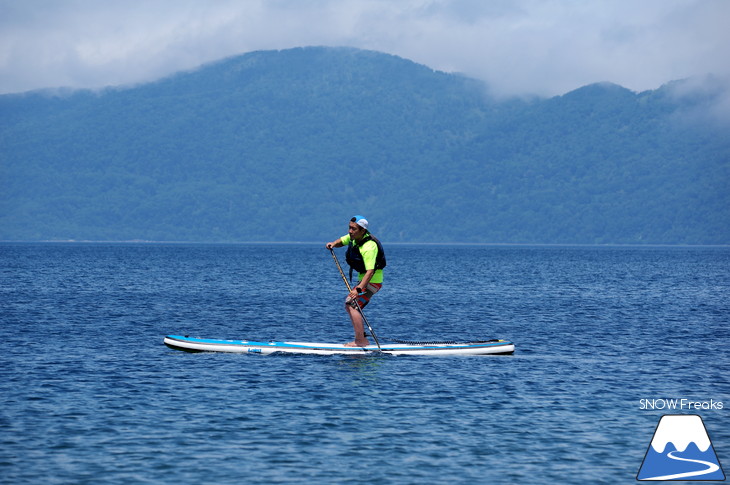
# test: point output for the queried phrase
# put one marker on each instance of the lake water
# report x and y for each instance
(89, 393)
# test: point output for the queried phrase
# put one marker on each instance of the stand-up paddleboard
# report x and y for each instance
(487, 347)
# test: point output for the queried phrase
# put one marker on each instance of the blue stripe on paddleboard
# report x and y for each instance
(250, 343)
(402, 347)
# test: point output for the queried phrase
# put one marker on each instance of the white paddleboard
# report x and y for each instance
(190, 344)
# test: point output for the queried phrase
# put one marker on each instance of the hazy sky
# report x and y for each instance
(544, 47)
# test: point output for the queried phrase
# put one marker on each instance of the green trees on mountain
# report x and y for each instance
(285, 145)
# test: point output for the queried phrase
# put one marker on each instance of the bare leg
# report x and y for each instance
(360, 339)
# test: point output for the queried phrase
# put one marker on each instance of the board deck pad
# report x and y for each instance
(485, 347)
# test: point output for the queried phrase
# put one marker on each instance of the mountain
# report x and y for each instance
(287, 145)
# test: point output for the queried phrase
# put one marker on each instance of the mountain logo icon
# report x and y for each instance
(680, 450)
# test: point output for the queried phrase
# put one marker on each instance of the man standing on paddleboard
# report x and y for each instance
(366, 256)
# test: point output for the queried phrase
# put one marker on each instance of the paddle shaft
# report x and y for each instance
(357, 305)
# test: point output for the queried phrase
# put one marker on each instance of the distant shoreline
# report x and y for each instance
(312, 243)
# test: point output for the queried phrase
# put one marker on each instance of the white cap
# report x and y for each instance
(360, 221)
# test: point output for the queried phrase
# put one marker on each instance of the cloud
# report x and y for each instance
(542, 47)
(550, 47)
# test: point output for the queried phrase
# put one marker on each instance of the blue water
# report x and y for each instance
(89, 394)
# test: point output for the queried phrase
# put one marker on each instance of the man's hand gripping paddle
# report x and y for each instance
(357, 305)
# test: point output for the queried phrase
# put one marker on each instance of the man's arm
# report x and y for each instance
(337, 243)
(363, 284)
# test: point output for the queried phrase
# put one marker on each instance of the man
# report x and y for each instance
(366, 256)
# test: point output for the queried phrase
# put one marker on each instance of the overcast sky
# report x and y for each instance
(544, 47)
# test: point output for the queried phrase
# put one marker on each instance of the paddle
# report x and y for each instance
(349, 288)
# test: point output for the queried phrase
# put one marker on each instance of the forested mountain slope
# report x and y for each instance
(286, 145)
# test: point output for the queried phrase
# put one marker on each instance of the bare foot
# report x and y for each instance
(356, 343)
